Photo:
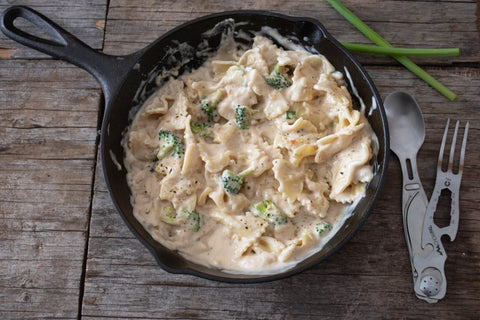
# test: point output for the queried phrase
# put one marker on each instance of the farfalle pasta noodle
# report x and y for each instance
(306, 149)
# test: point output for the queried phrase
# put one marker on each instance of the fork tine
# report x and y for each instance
(464, 146)
(442, 146)
(452, 147)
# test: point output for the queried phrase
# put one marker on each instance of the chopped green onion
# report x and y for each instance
(401, 51)
(377, 39)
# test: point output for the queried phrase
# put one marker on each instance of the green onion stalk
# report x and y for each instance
(378, 40)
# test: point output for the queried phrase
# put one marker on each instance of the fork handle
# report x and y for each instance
(431, 284)
(452, 228)
(454, 216)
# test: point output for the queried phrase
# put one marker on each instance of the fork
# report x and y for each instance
(431, 284)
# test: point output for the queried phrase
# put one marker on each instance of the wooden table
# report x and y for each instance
(65, 252)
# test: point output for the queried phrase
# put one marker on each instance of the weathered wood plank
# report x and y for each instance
(369, 278)
(48, 132)
(438, 24)
(85, 19)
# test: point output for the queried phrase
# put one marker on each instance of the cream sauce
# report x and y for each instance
(308, 150)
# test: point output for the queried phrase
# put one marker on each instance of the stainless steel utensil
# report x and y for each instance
(407, 133)
(423, 236)
(431, 280)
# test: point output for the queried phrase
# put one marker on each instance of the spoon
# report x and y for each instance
(407, 134)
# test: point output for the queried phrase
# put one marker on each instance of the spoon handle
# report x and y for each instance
(414, 202)
(414, 205)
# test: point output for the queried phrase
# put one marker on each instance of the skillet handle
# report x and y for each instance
(109, 70)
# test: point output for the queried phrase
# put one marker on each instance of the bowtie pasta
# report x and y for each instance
(247, 163)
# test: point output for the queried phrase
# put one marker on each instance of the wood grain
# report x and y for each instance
(361, 280)
(436, 24)
(48, 134)
(83, 18)
(66, 253)
(369, 278)
(48, 137)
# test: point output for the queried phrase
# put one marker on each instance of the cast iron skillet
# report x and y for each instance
(123, 77)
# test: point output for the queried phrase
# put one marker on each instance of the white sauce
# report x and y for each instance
(312, 167)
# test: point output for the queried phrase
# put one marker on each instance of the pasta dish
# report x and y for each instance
(248, 163)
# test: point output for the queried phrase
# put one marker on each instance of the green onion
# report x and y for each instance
(447, 52)
(377, 39)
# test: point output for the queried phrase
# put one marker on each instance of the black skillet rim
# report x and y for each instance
(231, 277)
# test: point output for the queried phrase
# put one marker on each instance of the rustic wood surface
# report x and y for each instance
(65, 252)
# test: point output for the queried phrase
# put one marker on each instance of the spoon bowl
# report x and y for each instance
(405, 122)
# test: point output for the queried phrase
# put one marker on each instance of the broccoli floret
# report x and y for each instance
(276, 79)
(169, 215)
(290, 114)
(322, 228)
(232, 182)
(242, 117)
(202, 129)
(209, 108)
(209, 104)
(169, 144)
(271, 212)
(193, 219)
